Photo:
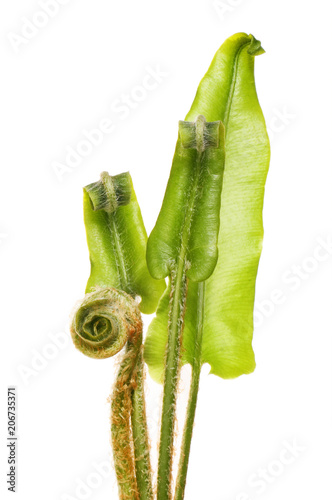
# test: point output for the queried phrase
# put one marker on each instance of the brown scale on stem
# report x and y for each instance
(121, 430)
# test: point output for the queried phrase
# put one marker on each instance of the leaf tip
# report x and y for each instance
(110, 192)
(255, 48)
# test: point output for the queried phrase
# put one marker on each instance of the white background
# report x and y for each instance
(63, 81)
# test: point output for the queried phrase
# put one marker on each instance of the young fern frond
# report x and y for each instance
(109, 318)
(226, 93)
(183, 245)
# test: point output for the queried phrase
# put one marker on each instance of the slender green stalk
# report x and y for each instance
(140, 433)
(179, 283)
(179, 287)
(129, 427)
(192, 401)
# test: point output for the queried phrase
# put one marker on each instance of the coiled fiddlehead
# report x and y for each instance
(102, 324)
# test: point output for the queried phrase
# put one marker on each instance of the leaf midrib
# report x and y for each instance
(232, 88)
(119, 255)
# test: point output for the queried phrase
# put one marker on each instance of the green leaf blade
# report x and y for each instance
(192, 197)
(103, 262)
(230, 292)
(215, 91)
(120, 236)
(227, 93)
(203, 242)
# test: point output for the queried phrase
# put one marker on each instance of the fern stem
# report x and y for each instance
(121, 428)
(179, 285)
(177, 302)
(140, 433)
(182, 264)
(192, 401)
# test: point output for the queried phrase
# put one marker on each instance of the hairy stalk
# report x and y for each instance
(192, 401)
(140, 432)
(188, 262)
(129, 431)
(103, 323)
(129, 427)
(177, 307)
(121, 431)
(134, 406)
(179, 283)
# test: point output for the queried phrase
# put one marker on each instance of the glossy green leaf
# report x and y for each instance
(192, 199)
(227, 93)
(117, 240)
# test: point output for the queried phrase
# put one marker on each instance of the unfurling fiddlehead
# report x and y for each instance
(109, 317)
(102, 324)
